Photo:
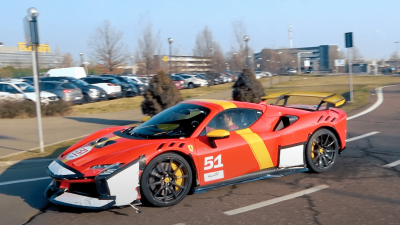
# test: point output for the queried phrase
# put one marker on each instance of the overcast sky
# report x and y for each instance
(69, 24)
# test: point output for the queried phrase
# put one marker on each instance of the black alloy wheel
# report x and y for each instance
(322, 150)
(166, 180)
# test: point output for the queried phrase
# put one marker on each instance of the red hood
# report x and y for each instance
(86, 154)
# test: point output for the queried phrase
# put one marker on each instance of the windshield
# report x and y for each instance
(113, 81)
(79, 82)
(178, 121)
(26, 87)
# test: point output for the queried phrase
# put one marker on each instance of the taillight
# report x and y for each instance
(67, 91)
(182, 81)
(111, 84)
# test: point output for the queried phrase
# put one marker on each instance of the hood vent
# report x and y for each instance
(320, 118)
(97, 141)
(104, 143)
(181, 145)
(172, 144)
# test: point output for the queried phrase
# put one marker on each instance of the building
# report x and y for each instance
(319, 58)
(189, 64)
(20, 56)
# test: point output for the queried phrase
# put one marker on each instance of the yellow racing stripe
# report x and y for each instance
(222, 103)
(258, 147)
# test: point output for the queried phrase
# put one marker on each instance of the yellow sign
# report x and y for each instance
(165, 58)
(41, 48)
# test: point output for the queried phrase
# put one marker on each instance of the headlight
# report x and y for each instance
(129, 89)
(93, 90)
(107, 169)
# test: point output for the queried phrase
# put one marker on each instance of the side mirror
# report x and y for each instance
(144, 119)
(217, 134)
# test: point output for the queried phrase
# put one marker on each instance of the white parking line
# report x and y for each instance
(362, 136)
(22, 181)
(395, 163)
(378, 102)
(275, 200)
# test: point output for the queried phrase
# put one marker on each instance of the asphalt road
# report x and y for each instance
(359, 190)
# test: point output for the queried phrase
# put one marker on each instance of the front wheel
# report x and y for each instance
(322, 150)
(166, 180)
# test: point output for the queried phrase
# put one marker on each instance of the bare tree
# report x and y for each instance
(148, 46)
(238, 51)
(394, 56)
(107, 47)
(205, 46)
(68, 61)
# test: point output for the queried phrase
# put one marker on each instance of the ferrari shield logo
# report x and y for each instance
(190, 147)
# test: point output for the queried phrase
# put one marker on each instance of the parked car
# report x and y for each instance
(107, 84)
(191, 81)
(64, 90)
(20, 90)
(136, 79)
(142, 87)
(291, 72)
(90, 93)
(178, 81)
(129, 89)
(28, 80)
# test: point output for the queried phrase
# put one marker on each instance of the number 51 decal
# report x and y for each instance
(210, 161)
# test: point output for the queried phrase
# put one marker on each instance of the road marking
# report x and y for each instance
(22, 181)
(362, 136)
(378, 102)
(275, 200)
(395, 163)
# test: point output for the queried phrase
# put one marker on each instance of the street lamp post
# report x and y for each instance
(81, 56)
(32, 36)
(246, 39)
(397, 60)
(211, 53)
(131, 63)
(170, 40)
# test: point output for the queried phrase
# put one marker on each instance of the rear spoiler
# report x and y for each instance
(333, 100)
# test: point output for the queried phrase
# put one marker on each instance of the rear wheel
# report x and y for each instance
(190, 85)
(322, 150)
(166, 180)
(85, 99)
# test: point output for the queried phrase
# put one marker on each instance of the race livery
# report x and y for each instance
(197, 145)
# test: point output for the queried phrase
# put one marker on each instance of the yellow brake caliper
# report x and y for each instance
(178, 173)
(312, 150)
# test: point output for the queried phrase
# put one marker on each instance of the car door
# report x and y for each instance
(13, 93)
(232, 156)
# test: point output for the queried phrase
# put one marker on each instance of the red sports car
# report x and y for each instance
(198, 145)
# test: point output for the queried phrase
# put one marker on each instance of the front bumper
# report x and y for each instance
(71, 188)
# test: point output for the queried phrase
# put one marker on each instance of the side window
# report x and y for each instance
(233, 119)
(89, 81)
(285, 121)
(2, 87)
(11, 89)
(49, 86)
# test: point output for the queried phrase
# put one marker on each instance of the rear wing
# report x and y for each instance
(332, 99)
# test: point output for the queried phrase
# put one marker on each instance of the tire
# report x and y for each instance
(166, 180)
(190, 86)
(324, 157)
(86, 99)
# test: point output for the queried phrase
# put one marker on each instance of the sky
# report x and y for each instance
(68, 25)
